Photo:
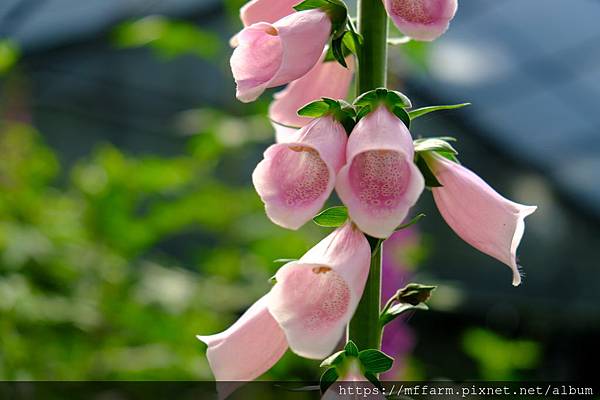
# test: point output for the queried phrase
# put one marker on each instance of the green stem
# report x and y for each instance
(364, 328)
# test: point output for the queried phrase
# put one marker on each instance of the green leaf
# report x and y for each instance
(375, 361)
(430, 179)
(332, 217)
(413, 221)
(314, 109)
(334, 359)
(419, 112)
(350, 349)
(9, 55)
(328, 378)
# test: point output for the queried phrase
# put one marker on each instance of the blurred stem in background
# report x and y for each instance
(364, 327)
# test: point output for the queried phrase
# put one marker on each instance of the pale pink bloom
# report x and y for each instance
(266, 10)
(315, 297)
(296, 177)
(325, 79)
(477, 213)
(421, 19)
(247, 349)
(354, 380)
(269, 55)
(284, 133)
(379, 182)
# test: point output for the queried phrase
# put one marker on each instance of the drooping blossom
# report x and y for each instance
(295, 178)
(308, 308)
(247, 349)
(379, 182)
(269, 55)
(266, 10)
(423, 20)
(315, 297)
(325, 79)
(477, 213)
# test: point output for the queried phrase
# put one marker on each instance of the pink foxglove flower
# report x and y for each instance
(379, 182)
(269, 55)
(296, 177)
(266, 10)
(315, 297)
(325, 79)
(247, 349)
(421, 19)
(477, 213)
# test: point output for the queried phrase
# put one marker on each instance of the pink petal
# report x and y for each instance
(296, 177)
(421, 19)
(269, 55)
(266, 10)
(248, 348)
(477, 213)
(325, 79)
(379, 183)
(315, 297)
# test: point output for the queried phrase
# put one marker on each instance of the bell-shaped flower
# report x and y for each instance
(315, 297)
(379, 182)
(483, 218)
(325, 79)
(266, 10)
(296, 176)
(423, 20)
(247, 349)
(269, 55)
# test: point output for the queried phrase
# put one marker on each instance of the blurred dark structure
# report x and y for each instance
(530, 67)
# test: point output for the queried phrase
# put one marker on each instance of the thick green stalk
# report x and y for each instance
(364, 328)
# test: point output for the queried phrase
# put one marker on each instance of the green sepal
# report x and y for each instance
(439, 145)
(419, 112)
(334, 359)
(285, 260)
(350, 349)
(342, 111)
(371, 377)
(395, 101)
(335, 9)
(411, 297)
(430, 179)
(331, 217)
(328, 378)
(375, 361)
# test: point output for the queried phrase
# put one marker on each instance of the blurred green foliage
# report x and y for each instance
(95, 279)
(9, 55)
(499, 358)
(168, 38)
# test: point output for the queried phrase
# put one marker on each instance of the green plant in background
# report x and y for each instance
(499, 358)
(93, 281)
(9, 55)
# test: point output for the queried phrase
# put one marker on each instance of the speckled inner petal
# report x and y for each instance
(379, 179)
